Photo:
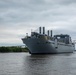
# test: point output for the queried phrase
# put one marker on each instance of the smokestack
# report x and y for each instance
(51, 33)
(40, 30)
(48, 32)
(43, 30)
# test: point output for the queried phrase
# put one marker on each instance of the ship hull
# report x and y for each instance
(43, 46)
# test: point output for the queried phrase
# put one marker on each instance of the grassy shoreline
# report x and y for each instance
(13, 49)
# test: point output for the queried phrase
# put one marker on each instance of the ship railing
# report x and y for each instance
(27, 37)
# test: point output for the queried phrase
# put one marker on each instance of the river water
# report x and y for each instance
(26, 64)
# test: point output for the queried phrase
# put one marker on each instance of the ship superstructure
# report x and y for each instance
(41, 43)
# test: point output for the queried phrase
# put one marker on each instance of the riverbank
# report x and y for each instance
(13, 49)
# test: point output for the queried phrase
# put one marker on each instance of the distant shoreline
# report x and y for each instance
(4, 49)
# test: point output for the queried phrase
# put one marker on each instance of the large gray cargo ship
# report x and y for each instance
(41, 43)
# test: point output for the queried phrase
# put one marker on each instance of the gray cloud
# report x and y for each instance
(19, 17)
(35, 10)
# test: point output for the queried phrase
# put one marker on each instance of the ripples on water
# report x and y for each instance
(26, 64)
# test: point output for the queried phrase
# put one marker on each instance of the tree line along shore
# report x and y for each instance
(13, 49)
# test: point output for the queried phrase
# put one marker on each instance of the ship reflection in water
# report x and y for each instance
(26, 64)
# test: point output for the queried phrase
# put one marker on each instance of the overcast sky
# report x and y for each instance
(18, 17)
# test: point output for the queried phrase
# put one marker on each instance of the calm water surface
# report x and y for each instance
(26, 64)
